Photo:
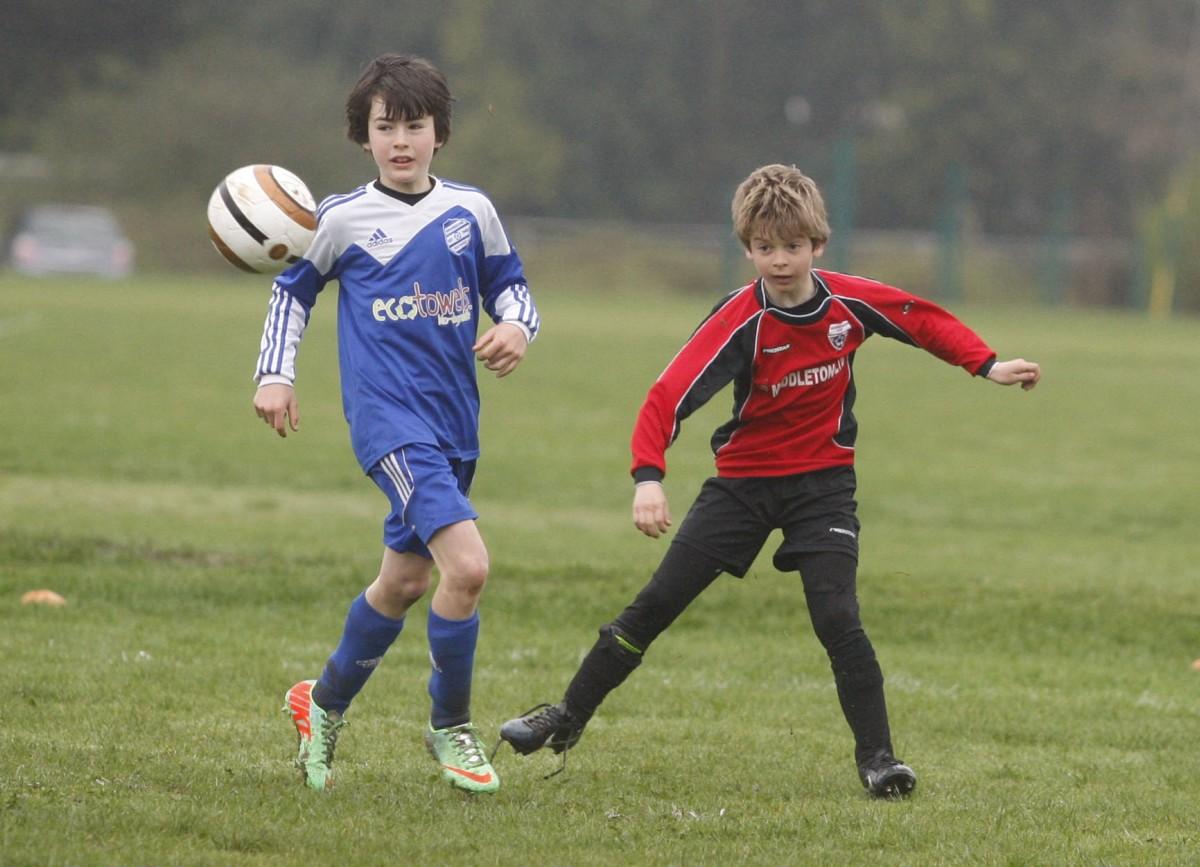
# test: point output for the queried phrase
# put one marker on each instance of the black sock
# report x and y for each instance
(860, 691)
(612, 659)
(680, 578)
(830, 580)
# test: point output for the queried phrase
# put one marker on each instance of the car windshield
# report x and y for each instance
(77, 221)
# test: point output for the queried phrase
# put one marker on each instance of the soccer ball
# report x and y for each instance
(261, 218)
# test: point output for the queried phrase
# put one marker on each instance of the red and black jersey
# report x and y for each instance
(792, 374)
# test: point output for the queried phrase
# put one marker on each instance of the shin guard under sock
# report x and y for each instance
(366, 636)
(860, 691)
(452, 655)
(682, 576)
(612, 659)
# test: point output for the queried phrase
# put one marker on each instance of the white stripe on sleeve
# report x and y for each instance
(515, 305)
(286, 320)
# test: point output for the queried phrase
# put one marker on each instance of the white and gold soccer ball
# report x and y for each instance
(261, 218)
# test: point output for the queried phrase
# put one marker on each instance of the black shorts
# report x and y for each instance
(731, 518)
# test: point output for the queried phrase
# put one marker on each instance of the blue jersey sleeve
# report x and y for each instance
(504, 292)
(293, 295)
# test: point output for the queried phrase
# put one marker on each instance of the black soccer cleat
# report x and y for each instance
(883, 776)
(544, 725)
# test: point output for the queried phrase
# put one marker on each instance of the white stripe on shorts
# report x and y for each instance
(400, 477)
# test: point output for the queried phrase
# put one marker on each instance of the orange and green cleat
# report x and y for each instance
(462, 757)
(317, 732)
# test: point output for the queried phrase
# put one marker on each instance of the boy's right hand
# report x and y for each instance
(651, 514)
(276, 405)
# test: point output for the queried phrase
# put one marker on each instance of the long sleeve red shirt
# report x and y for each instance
(792, 374)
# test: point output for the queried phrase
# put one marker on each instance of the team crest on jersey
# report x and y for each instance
(458, 234)
(838, 332)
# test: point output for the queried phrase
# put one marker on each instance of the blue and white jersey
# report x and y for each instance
(413, 279)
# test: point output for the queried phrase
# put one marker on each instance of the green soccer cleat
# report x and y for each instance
(463, 758)
(317, 732)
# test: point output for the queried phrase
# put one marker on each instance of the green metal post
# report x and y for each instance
(950, 234)
(843, 198)
(1054, 265)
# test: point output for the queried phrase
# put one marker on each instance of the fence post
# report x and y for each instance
(1054, 263)
(1164, 269)
(843, 197)
(950, 234)
(731, 251)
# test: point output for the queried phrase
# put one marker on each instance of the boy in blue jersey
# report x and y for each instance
(416, 257)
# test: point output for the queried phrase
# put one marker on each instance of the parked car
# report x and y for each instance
(69, 239)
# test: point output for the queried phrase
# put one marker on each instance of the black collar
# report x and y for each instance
(812, 305)
(407, 198)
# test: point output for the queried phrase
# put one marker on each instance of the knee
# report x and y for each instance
(402, 589)
(622, 646)
(467, 574)
(837, 625)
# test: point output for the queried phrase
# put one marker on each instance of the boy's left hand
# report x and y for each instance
(501, 348)
(1028, 373)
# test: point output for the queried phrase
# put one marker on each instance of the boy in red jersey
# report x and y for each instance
(784, 460)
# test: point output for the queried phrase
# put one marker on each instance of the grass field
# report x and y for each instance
(1029, 578)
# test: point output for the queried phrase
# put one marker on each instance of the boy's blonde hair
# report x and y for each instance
(778, 201)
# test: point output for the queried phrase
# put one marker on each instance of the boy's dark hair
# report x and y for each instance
(410, 87)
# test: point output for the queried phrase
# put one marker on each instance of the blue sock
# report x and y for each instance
(452, 652)
(365, 638)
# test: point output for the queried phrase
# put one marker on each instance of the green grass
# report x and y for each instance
(1029, 578)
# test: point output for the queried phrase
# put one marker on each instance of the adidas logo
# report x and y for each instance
(378, 238)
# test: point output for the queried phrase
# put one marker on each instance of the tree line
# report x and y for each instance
(650, 110)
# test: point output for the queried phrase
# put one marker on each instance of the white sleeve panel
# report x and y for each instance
(495, 239)
(322, 252)
(515, 305)
(287, 317)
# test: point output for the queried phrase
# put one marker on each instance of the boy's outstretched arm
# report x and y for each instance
(276, 405)
(501, 348)
(651, 514)
(1028, 373)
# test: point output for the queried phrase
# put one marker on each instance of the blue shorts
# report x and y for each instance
(427, 491)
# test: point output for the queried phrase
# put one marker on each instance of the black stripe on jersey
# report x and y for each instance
(720, 304)
(875, 322)
(742, 375)
(242, 220)
(847, 432)
(726, 364)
